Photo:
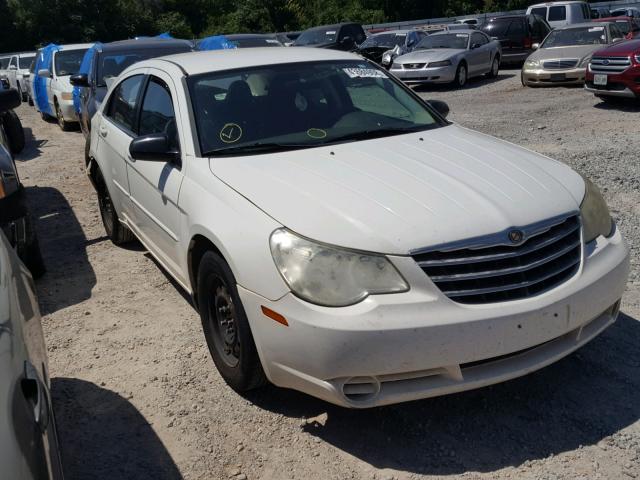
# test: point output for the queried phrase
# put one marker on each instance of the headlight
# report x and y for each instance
(66, 96)
(332, 276)
(532, 63)
(585, 61)
(596, 219)
(444, 63)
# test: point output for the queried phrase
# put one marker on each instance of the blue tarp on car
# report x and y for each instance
(85, 67)
(43, 61)
(218, 42)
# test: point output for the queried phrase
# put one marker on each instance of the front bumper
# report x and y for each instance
(426, 75)
(626, 84)
(419, 344)
(543, 77)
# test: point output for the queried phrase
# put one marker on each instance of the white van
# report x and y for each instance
(559, 14)
(18, 72)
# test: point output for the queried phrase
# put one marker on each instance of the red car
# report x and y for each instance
(615, 71)
(627, 25)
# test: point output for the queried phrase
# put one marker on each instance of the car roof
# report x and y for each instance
(142, 43)
(335, 25)
(76, 46)
(553, 4)
(194, 63)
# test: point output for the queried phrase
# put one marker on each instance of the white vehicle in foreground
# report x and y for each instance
(340, 237)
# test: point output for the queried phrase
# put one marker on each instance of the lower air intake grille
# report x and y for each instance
(494, 269)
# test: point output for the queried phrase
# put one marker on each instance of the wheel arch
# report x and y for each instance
(198, 246)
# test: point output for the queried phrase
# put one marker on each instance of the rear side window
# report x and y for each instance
(122, 106)
(557, 13)
(497, 28)
(516, 29)
(157, 114)
(541, 11)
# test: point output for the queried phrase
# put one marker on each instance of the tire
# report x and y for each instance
(14, 130)
(62, 123)
(30, 100)
(225, 325)
(495, 68)
(33, 259)
(23, 95)
(117, 233)
(462, 75)
(87, 147)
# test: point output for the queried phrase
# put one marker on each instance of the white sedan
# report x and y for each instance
(340, 237)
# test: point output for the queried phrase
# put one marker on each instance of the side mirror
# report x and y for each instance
(79, 80)
(44, 73)
(9, 99)
(616, 40)
(153, 147)
(475, 45)
(535, 46)
(439, 106)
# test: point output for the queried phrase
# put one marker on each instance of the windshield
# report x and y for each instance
(302, 105)
(68, 61)
(318, 36)
(249, 42)
(113, 63)
(446, 40)
(386, 40)
(619, 13)
(575, 36)
(25, 62)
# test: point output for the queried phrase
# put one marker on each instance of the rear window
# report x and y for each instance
(497, 28)
(557, 13)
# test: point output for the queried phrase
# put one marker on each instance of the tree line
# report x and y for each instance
(27, 24)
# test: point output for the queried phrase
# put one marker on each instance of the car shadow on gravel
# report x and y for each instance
(70, 277)
(32, 147)
(105, 436)
(576, 402)
(475, 82)
(619, 104)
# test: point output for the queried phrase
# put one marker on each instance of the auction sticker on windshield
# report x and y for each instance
(364, 73)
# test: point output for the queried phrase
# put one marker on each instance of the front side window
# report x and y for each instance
(157, 114)
(122, 106)
(557, 13)
(301, 105)
(67, 62)
(14, 62)
(575, 36)
(540, 11)
(479, 39)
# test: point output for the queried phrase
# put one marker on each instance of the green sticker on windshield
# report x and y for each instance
(317, 133)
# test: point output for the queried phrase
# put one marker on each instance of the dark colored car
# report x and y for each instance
(342, 36)
(403, 41)
(517, 35)
(109, 60)
(252, 40)
(615, 71)
(15, 220)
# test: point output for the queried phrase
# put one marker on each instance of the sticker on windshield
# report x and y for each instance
(270, 40)
(231, 133)
(461, 35)
(596, 29)
(364, 73)
(317, 133)
(330, 32)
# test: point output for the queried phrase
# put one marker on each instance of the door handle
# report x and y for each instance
(36, 395)
(103, 131)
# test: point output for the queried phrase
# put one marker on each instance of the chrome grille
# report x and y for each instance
(561, 64)
(413, 66)
(609, 64)
(492, 269)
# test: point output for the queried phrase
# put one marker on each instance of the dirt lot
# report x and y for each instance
(136, 394)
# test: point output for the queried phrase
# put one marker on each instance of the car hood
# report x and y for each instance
(395, 194)
(578, 51)
(621, 49)
(432, 55)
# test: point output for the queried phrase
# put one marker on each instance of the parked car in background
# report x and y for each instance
(472, 261)
(563, 56)
(4, 66)
(615, 71)
(32, 74)
(252, 40)
(459, 26)
(449, 57)
(28, 435)
(384, 47)
(15, 219)
(108, 61)
(626, 12)
(54, 95)
(558, 14)
(18, 72)
(287, 38)
(342, 36)
(473, 21)
(517, 34)
(600, 12)
(629, 26)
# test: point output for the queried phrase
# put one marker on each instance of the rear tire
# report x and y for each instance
(225, 325)
(116, 231)
(15, 132)
(495, 68)
(33, 259)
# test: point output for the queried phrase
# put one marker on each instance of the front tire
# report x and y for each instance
(117, 233)
(62, 123)
(225, 325)
(461, 75)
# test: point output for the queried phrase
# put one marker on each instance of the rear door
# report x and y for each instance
(115, 132)
(155, 185)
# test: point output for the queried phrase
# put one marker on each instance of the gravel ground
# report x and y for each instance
(136, 394)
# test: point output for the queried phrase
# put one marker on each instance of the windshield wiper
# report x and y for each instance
(381, 132)
(255, 148)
